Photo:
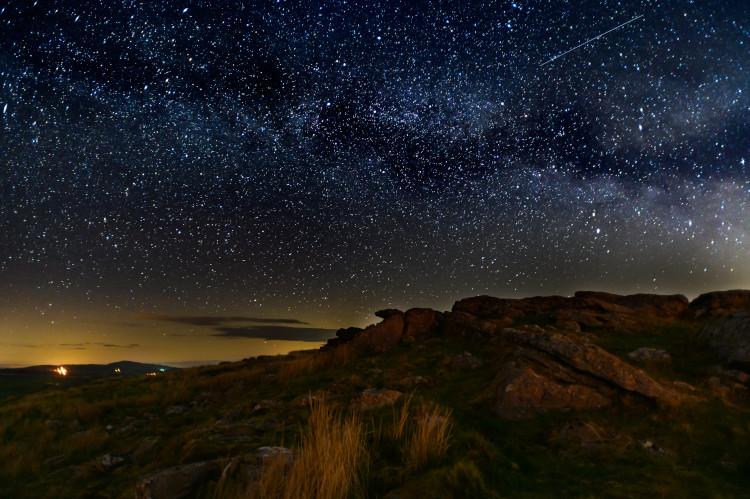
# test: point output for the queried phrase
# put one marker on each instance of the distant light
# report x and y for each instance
(117, 370)
(151, 374)
(161, 369)
(61, 371)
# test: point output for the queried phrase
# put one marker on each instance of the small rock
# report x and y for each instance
(264, 405)
(646, 354)
(175, 409)
(375, 398)
(266, 453)
(651, 446)
(108, 461)
(466, 362)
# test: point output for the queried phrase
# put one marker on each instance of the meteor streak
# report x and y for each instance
(590, 40)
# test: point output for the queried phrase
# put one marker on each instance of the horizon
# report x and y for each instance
(100, 353)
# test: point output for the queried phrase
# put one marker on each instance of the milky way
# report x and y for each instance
(324, 159)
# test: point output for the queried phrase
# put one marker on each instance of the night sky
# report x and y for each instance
(181, 180)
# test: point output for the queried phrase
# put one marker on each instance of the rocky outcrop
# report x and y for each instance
(730, 337)
(383, 336)
(395, 328)
(585, 310)
(719, 304)
(550, 371)
(421, 323)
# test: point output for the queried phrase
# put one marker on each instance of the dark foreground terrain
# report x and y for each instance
(595, 395)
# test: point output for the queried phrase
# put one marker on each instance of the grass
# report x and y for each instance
(329, 463)
(429, 438)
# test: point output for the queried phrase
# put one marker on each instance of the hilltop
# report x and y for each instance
(594, 395)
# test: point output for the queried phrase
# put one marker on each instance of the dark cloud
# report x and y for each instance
(212, 320)
(276, 333)
(84, 345)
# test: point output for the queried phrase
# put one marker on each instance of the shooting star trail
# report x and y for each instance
(590, 40)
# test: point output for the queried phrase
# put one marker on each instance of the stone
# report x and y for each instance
(545, 371)
(375, 398)
(729, 337)
(383, 336)
(719, 304)
(645, 354)
(108, 461)
(421, 323)
(466, 362)
(178, 482)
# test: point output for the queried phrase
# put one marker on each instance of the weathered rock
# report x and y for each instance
(719, 304)
(730, 337)
(388, 312)
(522, 393)
(421, 323)
(268, 453)
(109, 461)
(466, 362)
(381, 337)
(178, 482)
(465, 325)
(586, 309)
(587, 358)
(645, 354)
(664, 306)
(550, 371)
(375, 398)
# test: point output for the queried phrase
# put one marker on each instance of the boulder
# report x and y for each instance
(719, 304)
(730, 337)
(383, 336)
(523, 392)
(586, 309)
(465, 325)
(421, 323)
(178, 482)
(550, 371)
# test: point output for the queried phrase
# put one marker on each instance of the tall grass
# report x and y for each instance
(429, 438)
(329, 463)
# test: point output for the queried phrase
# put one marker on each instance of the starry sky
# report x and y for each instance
(202, 180)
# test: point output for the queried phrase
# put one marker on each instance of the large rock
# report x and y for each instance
(550, 371)
(730, 337)
(180, 481)
(421, 323)
(719, 304)
(383, 336)
(586, 309)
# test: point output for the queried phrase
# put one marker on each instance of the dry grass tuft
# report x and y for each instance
(430, 437)
(328, 465)
(401, 418)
